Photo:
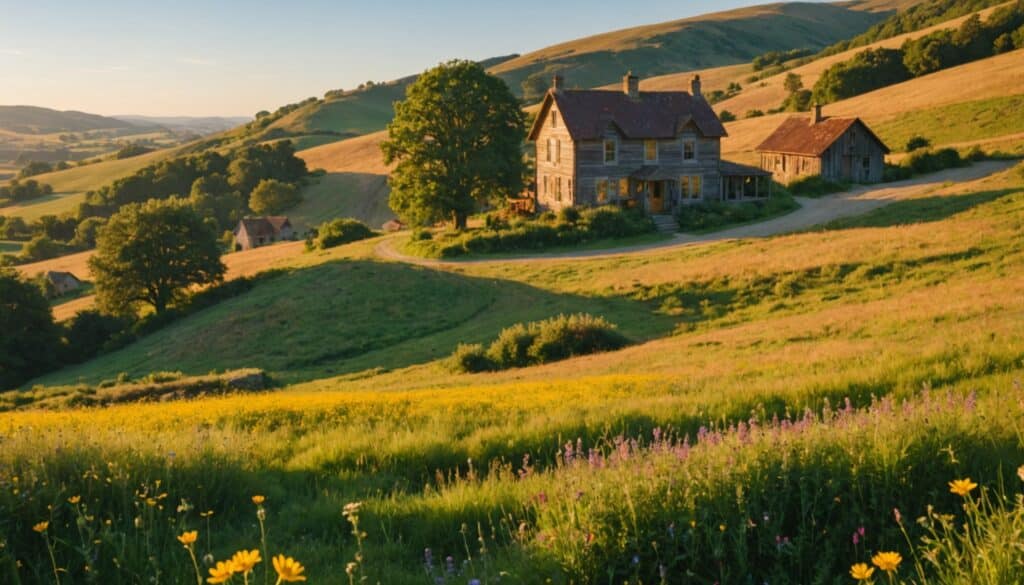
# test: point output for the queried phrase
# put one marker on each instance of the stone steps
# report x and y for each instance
(665, 223)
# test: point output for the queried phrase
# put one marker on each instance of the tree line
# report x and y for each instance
(876, 68)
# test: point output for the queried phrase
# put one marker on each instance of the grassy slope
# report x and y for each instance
(26, 119)
(924, 294)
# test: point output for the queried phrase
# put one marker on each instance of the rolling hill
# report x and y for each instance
(35, 120)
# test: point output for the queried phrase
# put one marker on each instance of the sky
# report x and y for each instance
(234, 58)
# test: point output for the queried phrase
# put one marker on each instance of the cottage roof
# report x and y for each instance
(654, 114)
(256, 227)
(728, 168)
(798, 135)
(55, 275)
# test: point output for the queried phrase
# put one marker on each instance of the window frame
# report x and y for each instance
(598, 182)
(650, 143)
(692, 142)
(691, 187)
(550, 151)
(615, 151)
(554, 118)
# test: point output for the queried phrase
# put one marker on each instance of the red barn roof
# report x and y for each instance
(798, 135)
(654, 114)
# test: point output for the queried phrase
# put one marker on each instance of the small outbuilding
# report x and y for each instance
(253, 232)
(61, 283)
(836, 149)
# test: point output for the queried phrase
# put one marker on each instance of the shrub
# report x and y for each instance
(754, 114)
(727, 116)
(718, 214)
(420, 235)
(569, 215)
(470, 358)
(930, 161)
(815, 186)
(90, 332)
(917, 142)
(340, 231)
(540, 342)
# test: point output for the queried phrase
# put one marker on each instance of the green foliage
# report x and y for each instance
(456, 139)
(152, 253)
(772, 58)
(91, 332)
(18, 191)
(339, 231)
(30, 341)
(273, 197)
(715, 215)
(793, 83)
(546, 231)
(917, 142)
(41, 247)
(929, 161)
(86, 231)
(35, 168)
(726, 116)
(130, 150)
(815, 186)
(866, 71)
(539, 342)
(753, 114)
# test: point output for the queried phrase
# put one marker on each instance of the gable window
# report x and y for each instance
(549, 150)
(601, 186)
(690, 186)
(558, 151)
(650, 151)
(689, 149)
(554, 119)
(611, 151)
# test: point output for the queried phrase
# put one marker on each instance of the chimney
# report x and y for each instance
(695, 86)
(557, 82)
(816, 114)
(631, 85)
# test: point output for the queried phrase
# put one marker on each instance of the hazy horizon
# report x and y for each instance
(117, 58)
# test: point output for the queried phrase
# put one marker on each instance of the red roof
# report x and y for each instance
(263, 226)
(797, 135)
(654, 114)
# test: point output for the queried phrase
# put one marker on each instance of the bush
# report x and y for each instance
(815, 186)
(727, 116)
(929, 161)
(719, 214)
(540, 342)
(338, 232)
(90, 333)
(569, 215)
(754, 114)
(470, 358)
(917, 142)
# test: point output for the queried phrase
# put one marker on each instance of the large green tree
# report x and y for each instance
(30, 340)
(151, 253)
(457, 140)
(272, 197)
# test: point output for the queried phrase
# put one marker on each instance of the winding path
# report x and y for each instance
(812, 212)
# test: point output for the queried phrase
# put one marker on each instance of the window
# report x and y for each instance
(547, 191)
(554, 119)
(602, 190)
(650, 151)
(558, 188)
(866, 163)
(570, 192)
(551, 149)
(558, 151)
(690, 186)
(611, 151)
(624, 188)
(689, 149)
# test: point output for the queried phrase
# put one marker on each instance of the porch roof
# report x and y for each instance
(731, 169)
(655, 173)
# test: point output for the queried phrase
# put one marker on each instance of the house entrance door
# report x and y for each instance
(656, 192)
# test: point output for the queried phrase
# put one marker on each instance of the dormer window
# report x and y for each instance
(611, 151)
(650, 151)
(689, 150)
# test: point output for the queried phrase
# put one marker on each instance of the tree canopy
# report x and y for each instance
(151, 253)
(272, 197)
(30, 340)
(457, 141)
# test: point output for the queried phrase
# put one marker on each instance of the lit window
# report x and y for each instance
(650, 150)
(602, 190)
(690, 186)
(611, 152)
(624, 188)
(689, 149)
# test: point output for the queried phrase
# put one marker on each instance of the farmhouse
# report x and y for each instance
(837, 149)
(253, 232)
(61, 283)
(652, 150)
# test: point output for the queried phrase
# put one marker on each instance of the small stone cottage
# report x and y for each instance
(253, 232)
(655, 150)
(61, 283)
(836, 149)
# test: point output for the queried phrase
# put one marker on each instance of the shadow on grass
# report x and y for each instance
(923, 210)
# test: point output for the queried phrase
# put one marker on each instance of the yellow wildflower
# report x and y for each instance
(258, 499)
(74, 499)
(887, 561)
(1020, 472)
(41, 527)
(861, 572)
(245, 560)
(288, 569)
(222, 572)
(188, 538)
(962, 487)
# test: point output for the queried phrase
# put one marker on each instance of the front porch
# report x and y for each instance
(744, 183)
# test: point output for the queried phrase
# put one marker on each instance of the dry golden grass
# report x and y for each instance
(355, 155)
(711, 79)
(770, 93)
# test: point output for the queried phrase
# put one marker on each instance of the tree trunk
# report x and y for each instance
(459, 219)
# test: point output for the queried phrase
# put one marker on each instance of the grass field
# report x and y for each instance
(773, 392)
(9, 247)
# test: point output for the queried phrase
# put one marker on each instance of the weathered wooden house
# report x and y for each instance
(837, 149)
(61, 283)
(253, 232)
(653, 150)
